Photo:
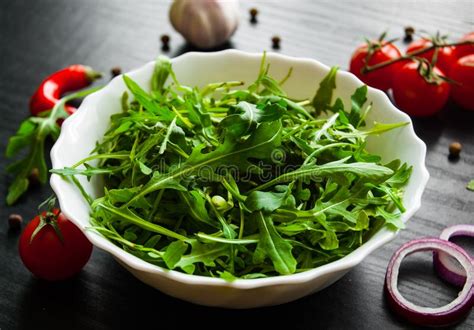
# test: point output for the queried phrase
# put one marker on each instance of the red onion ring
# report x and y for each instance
(449, 314)
(443, 263)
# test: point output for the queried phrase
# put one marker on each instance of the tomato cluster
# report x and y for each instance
(418, 85)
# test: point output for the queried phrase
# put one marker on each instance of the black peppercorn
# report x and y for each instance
(15, 221)
(115, 71)
(276, 42)
(34, 176)
(455, 149)
(253, 15)
(165, 42)
(409, 32)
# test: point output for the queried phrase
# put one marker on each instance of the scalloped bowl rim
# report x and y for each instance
(345, 263)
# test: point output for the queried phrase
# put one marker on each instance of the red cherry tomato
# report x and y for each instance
(414, 95)
(462, 73)
(381, 78)
(464, 50)
(46, 255)
(446, 55)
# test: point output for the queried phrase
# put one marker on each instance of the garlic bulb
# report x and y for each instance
(205, 23)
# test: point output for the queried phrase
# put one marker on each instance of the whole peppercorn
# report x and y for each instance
(455, 149)
(253, 15)
(15, 221)
(165, 42)
(115, 71)
(409, 32)
(276, 42)
(34, 176)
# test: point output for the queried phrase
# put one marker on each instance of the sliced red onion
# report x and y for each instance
(444, 265)
(449, 314)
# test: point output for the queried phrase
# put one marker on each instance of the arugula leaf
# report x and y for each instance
(315, 172)
(272, 245)
(265, 201)
(358, 100)
(392, 219)
(225, 275)
(329, 240)
(146, 100)
(32, 134)
(246, 118)
(22, 138)
(397, 200)
(16, 189)
(122, 196)
(197, 206)
(268, 201)
(174, 252)
(202, 253)
(140, 95)
(322, 100)
(170, 129)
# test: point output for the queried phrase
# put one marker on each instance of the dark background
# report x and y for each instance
(39, 37)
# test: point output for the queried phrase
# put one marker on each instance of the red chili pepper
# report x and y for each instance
(69, 79)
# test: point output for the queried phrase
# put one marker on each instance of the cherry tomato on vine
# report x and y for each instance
(416, 96)
(463, 50)
(462, 73)
(382, 52)
(446, 55)
(52, 247)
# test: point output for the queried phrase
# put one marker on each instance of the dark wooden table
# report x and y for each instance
(39, 37)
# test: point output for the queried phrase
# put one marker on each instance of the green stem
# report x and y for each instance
(82, 190)
(288, 75)
(246, 240)
(233, 192)
(242, 220)
(136, 220)
(101, 156)
(377, 66)
(303, 103)
(326, 147)
(156, 203)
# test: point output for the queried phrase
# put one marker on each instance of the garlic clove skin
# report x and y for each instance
(205, 23)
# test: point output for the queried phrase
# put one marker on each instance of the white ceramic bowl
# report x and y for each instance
(81, 131)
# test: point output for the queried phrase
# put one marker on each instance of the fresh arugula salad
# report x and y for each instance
(235, 182)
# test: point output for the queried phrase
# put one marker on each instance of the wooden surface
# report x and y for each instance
(39, 37)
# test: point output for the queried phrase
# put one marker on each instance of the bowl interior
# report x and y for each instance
(81, 131)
